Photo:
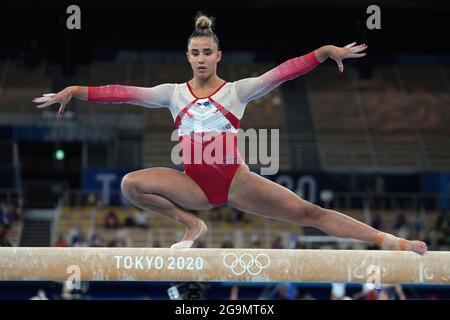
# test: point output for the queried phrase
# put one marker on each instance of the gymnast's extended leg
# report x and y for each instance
(252, 193)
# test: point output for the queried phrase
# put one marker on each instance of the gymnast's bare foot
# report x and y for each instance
(416, 246)
(391, 242)
(193, 232)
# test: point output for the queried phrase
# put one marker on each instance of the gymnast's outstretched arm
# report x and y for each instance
(252, 88)
(154, 97)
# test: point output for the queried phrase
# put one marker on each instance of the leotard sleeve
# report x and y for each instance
(155, 97)
(252, 88)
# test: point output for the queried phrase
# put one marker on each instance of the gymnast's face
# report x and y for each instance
(203, 55)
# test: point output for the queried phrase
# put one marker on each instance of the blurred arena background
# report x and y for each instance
(373, 142)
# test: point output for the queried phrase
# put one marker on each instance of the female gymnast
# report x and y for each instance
(209, 104)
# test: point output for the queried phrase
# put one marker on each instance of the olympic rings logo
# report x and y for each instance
(246, 263)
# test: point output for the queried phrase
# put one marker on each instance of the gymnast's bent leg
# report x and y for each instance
(166, 192)
(254, 194)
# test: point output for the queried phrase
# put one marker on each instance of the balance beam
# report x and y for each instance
(216, 265)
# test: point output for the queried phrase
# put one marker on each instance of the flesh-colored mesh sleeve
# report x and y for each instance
(252, 88)
(154, 97)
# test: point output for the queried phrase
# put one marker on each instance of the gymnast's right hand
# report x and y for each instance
(63, 97)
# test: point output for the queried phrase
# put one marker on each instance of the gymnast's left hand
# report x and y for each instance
(349, 51)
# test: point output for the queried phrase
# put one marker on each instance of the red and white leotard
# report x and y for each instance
(208, 124)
